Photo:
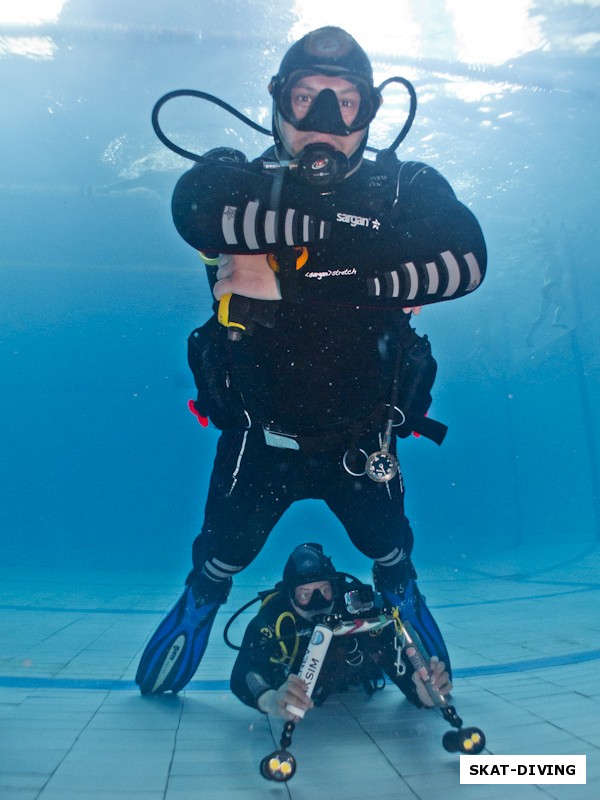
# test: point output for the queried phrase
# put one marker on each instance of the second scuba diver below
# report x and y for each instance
(265, 675)
(312, 403)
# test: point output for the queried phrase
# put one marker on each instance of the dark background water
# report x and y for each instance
(101, 464)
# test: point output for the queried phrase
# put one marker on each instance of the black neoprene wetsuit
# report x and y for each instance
(275, 642)
(382, 240)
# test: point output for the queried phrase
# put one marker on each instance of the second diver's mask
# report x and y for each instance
(318, 605)
(308, 564)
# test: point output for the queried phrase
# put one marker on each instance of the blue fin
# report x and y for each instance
(176, 648)
(413, 609)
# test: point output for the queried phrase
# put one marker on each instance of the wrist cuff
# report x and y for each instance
(286, 264)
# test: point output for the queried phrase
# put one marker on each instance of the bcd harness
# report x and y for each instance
(210, 361)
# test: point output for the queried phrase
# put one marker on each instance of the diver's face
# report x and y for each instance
(303, 95)
(303, 594)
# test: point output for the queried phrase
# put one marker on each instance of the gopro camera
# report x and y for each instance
(360, 600)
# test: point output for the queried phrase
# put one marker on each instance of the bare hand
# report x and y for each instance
(248, 276)
(293, 691)
(439, 679)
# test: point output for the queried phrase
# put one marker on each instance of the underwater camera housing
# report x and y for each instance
(360, 599)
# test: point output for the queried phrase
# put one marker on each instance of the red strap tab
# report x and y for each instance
(414, 433)
(202, 420)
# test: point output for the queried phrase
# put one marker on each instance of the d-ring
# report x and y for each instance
(349, 471)
(402, 416)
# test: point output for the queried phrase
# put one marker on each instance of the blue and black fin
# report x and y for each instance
(175, 650)
(413, 608)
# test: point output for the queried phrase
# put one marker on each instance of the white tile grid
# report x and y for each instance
(60, 743)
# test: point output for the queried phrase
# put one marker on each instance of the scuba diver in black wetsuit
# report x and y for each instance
(320, 255)
(265, 675)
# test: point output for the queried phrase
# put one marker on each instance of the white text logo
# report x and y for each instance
(331, 273)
